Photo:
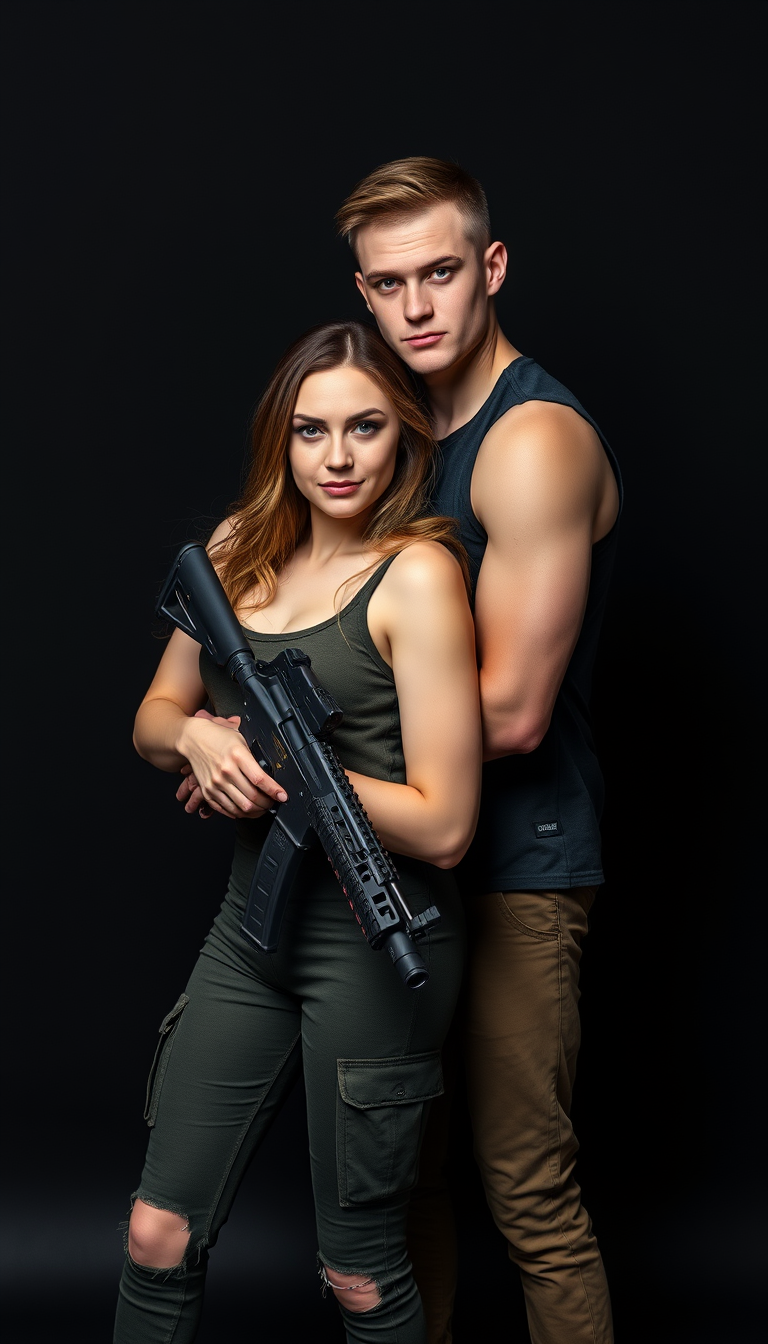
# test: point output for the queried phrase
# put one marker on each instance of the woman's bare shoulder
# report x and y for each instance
(223, 532)
(423, 568)
(421, 605)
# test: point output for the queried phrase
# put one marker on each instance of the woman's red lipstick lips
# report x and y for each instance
(340, 487)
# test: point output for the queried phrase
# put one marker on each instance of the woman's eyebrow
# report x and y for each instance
(350, 420)
(361, 415)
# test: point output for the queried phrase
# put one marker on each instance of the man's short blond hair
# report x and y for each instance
(405, 186)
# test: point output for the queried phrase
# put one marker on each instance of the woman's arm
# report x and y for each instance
(420, 620)
(168, 734)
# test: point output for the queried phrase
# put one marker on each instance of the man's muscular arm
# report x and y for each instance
(544, 491)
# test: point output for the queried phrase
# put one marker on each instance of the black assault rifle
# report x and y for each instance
(287, 719)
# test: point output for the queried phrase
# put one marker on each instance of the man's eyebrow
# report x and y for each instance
(431, 266)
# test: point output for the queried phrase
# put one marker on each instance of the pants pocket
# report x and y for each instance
(381, 1112)
(168, 1028)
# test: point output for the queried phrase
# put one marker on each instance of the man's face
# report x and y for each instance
(427, 286)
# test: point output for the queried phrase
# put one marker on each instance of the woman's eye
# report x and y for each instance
(366, 427)
(309, 431)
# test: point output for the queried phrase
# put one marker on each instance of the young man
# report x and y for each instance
(537, 493)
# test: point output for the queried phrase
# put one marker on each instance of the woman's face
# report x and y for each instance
(343, 441)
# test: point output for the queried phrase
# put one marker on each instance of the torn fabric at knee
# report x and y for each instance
(162, 1206)
(361, 1280)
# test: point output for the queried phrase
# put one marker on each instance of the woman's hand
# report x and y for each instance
(189, 792)
(191, 795)
(222, 773)
(173, 732)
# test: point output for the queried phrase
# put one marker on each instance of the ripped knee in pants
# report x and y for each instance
(157, 1238)
(356, 1292)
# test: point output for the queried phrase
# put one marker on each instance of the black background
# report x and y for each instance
(171, 177)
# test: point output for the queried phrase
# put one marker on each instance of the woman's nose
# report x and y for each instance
(338, 454)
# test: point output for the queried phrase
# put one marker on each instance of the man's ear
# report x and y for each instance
(495, 262)
(359, 281)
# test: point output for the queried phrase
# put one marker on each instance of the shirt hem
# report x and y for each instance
(540, 882)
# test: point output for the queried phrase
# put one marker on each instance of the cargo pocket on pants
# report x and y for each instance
(381, 1112)
(162, 1054)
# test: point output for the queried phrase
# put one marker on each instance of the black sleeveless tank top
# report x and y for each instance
(539, 825)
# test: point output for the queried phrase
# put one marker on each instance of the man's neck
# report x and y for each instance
(456, 394)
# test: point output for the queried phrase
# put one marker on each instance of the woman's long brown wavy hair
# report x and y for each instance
(272, 517)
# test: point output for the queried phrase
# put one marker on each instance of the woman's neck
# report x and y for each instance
(330, 540)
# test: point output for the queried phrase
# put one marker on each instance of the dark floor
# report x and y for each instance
(257, 1297)
(230, 1318)
(689, 1282)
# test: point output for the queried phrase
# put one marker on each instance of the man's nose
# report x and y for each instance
(417, 303)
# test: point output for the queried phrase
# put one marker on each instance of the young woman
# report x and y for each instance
(331, 550)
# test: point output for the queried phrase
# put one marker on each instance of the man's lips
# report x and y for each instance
(426, 338)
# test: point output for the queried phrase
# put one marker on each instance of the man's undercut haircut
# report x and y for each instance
(404, 187)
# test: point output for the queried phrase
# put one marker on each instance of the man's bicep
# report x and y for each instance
(534, 490)
(530, 600)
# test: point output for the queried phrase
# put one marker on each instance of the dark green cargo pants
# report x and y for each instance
(229, 1052)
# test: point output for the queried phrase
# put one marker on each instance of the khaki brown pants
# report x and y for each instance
(518, 1034)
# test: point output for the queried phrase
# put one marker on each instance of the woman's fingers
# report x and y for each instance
(223, 774)
(191, 795)
(253, 802)
(240, 788)
(232, 722)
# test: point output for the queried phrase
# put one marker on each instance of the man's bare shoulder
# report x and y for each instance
(545, 427)
(540, 456)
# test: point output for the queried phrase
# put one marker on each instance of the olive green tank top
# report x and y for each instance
(346, 661)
